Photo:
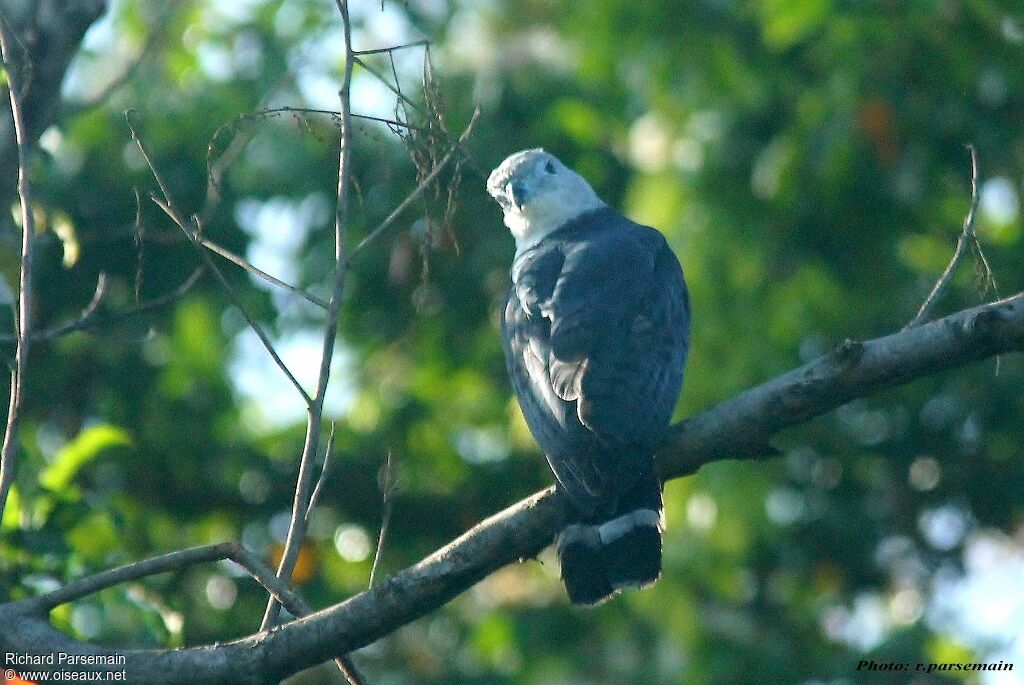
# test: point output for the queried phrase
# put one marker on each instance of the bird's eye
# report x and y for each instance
(549, 167)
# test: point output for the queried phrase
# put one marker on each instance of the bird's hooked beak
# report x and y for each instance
(518, 192)
(513, 193)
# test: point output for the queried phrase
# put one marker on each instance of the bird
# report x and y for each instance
(596, 332)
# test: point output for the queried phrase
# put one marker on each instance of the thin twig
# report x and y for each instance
(258, 272)
(176, 561)
(190, 229)
(216, 168)
(97, 297)
(423, 185)
(233, 295)
(139, 236)
(420, 110)
(325, 471)
(387, 503)
(968, 240)
(91, 318)
(403, 46)
(390, 86)
(389, 122)
(15, 83)
(270, 112)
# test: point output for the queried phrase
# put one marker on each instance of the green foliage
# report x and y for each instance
(70, 459)
(805, 159)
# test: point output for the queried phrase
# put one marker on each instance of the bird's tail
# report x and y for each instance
(621, 550)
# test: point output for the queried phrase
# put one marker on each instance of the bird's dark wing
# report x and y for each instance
(596, 335)
(620, 333)
(553, 421)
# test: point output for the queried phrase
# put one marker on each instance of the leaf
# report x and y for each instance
(95, 537)
(89, 444)
(12, 512)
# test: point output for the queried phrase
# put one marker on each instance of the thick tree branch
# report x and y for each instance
(735, 429)
(741, 427)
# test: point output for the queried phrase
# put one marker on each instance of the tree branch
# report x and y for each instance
(388, 488)
(968, 239)
(92, 318)
(314, 417)
(192, 230)
(176, 561)
(16, 82)
(325, 472)
(423, 185)
(392, 48)
(256, 271)
(738, 428)
(193, 236)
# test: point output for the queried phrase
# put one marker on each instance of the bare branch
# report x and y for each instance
(139, 236)
(968, 240)
(387, 496)
(406, 101)
(233, 295)
(173, 561)
(216, 167)
(23, 321)
(97, 297)
(424, 184)
(191, 231)
(176, 561)
(325, 472)
(391, 86)
(736, 429)
(303, 496)
(266, 577)
(304, 481)
(390, 122)
(403, 46)
(256, 271)
(87, 313)
(92, 319)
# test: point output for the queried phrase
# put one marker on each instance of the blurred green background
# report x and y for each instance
(805, 159)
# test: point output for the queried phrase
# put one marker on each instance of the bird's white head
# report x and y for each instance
(538, 195)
